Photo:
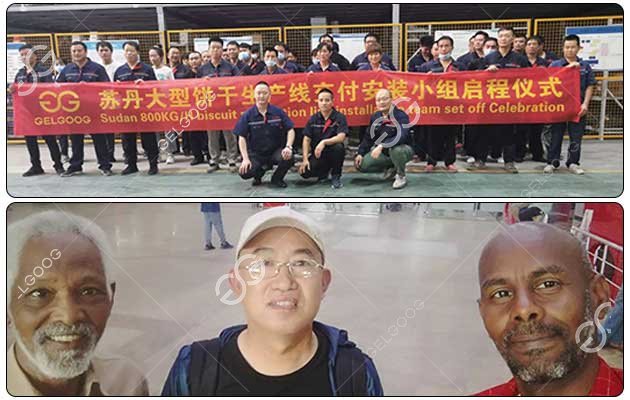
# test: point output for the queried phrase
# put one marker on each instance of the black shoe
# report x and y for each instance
(72, 171)
(34, 171)
(226, 245)
(153, 170)
(106, 172)
(257, 182)
(197, 161)
(213, 167)
(556, 164)
(336, 182)
(187, 153)
(130, 169)
(209, 247)
(60, 170)
(280, 184)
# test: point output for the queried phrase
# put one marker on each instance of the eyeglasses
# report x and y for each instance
(266, 269)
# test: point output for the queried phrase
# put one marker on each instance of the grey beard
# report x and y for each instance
(65, 364)
(572, 358)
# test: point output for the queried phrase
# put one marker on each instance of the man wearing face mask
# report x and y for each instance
(271, 63)
(251, 65)
(442, 137)
(280, 277)
(282, 61)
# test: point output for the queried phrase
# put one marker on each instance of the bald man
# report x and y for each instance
(539, 298)
(385, 146)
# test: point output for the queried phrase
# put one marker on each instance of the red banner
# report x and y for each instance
(532, 95)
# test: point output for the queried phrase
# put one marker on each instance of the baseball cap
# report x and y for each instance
(277, 217)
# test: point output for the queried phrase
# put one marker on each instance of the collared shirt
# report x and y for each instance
(386, 126)
(223, 69)
(368, 67)
(416, 62)
(255, 68)
(181, 71)
(90, 72)
(363, 59)
(587, 76)
(608, 382)
(318, 68)
(275, 71)
(539, 62)
(290, 67)
(511, 60)
(42, 74)
(111, 69)
(467, 58)
(437, 67)
(104, 377)
(125, 73)
(264, 133)
(317, 128)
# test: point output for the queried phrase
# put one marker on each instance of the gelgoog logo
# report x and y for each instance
(52, 102)
(591, 325)
(392, 119)
(245, 259)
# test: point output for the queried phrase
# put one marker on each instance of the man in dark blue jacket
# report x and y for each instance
(34, 72)
(282, 350)
(136, 71)
(385, 146)
(82, 69)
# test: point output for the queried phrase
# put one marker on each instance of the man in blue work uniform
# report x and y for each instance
(322, 145)
(570, 59)
(504, 58)
(35, 72)
(180, 71)
(136, 71)
(251, 66)
(370, 40)
(265, 138)
(424, 54)
(283, 62)
(82, 69)
(217, 67)
(442, 137)
(270, 57)
(478, 40)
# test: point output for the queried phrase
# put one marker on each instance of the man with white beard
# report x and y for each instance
(59, 297)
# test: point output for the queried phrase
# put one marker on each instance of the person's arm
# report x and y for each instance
(306, 148)
(587, 99)
(246, 164)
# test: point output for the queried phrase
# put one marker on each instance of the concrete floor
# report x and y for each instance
(603, 162)
(165, 288)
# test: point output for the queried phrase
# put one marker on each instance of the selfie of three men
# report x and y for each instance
(406, 299)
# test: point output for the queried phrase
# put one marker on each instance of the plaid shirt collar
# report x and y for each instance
(608, 382)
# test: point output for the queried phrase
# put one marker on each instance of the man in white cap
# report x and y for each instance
(60, 294)
(282, 350)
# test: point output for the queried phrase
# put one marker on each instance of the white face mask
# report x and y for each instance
(270, 63)
(243, 56)
(444, 57)
(315, 60)
(281, 56)
(254, 57)
(487, 52)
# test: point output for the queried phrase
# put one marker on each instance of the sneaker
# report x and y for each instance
(209, 246)
(33, 171)
(451, 168)
(65, 159)
(574, 168)
(257, 182)
(233, 168)
(510, 167)
(548, 169)
(336, 182)
(470, 160)
(170, 159)
(106, 172)
(213, 167)
(399, 182)
(500, 160)
(429, 168)
(153, 170)
(72, 172)
(59, 170)
(477, 165)
(226, 245)
(556, 164)
(129, 169)
(389, 173)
